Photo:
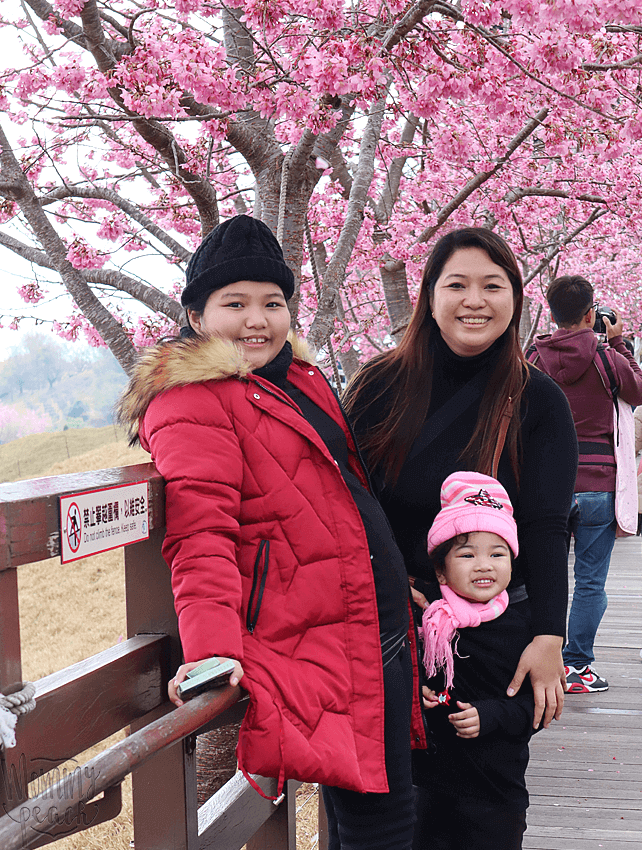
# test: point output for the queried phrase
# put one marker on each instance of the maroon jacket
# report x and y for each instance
(568, 357)
(243, 469)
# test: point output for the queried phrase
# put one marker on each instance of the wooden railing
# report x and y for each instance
(125, 685)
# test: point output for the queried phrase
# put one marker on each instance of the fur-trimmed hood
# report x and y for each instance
(180, 362)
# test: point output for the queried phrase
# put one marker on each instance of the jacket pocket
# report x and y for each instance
(261, 565)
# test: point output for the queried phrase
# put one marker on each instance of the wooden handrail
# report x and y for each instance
(130, 681)
(29, 523)
(26, 824)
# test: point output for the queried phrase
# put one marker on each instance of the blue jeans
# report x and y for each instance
(593, 528)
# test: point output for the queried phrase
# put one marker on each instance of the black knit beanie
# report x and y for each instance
(241, 248)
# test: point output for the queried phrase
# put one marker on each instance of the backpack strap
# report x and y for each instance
(605, 369)
(532, 355)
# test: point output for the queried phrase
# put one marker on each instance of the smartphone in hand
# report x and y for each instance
(212, 673)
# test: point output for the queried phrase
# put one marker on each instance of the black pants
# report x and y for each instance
(381, 821)
(444, 823)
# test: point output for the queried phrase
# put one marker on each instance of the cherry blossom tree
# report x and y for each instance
(357, 131)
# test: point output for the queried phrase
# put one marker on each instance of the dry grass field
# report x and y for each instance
(81, 609)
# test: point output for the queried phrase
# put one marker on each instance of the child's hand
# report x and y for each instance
(466, 721)
(184, 669)
(430, 697)
(419, 599)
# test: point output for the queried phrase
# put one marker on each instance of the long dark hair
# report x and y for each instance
(403, 377)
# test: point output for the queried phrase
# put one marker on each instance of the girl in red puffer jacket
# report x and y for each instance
(281, 558)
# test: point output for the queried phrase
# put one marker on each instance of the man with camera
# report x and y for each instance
(586, 369)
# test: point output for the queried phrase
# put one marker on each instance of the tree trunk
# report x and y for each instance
(525, 320)
(395, 288)
(215, 760)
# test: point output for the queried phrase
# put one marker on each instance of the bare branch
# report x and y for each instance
(27, 252)
(633, 62)
(595, 214)
(151, 297)
(389, 194)
(538, 191)
(413, 16)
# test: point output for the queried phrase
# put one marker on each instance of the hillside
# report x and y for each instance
(74, 450)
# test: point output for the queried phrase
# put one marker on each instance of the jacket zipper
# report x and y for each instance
(251, 618)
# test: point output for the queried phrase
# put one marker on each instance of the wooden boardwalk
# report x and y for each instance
(585, 773)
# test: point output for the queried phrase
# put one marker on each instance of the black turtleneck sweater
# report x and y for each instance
(541, 503)
(390, 577)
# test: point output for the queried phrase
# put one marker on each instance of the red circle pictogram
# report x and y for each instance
(74, 527)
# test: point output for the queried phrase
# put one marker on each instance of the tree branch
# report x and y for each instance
(121, 203)
(537, 191)
(153, 298)
(335, 274)
(389, 194)
(595, 214)
(613, 66)
(155, 134)
(413, 16)
(98, 315)
(479, 179)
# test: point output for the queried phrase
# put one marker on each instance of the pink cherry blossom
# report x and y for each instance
(520, 116)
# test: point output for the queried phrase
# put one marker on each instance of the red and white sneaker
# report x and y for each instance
(584, 680)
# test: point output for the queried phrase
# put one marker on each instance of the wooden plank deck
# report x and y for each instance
(585, 773)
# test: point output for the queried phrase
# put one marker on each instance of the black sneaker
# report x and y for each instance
(584, 680)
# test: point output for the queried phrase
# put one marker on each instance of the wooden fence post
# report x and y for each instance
(164, 788)
(11, 791)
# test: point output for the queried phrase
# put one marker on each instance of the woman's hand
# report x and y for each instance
(466, 721)
(542, 661)
(184, 669)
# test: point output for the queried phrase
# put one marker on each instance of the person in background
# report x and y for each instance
(569, 357)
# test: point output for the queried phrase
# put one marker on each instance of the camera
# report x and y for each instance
(599, 327)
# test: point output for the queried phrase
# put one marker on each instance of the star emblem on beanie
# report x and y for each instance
(485, 500)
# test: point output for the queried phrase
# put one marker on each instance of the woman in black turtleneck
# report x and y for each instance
(434, 405)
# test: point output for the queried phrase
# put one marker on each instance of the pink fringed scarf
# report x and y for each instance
(441, 620)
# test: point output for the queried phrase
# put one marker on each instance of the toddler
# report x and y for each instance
(473, 789)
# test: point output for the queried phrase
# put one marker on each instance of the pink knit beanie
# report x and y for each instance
(471, 501)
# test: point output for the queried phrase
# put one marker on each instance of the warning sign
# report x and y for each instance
(99, 520)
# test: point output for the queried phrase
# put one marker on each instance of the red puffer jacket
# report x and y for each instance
(269, 558)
